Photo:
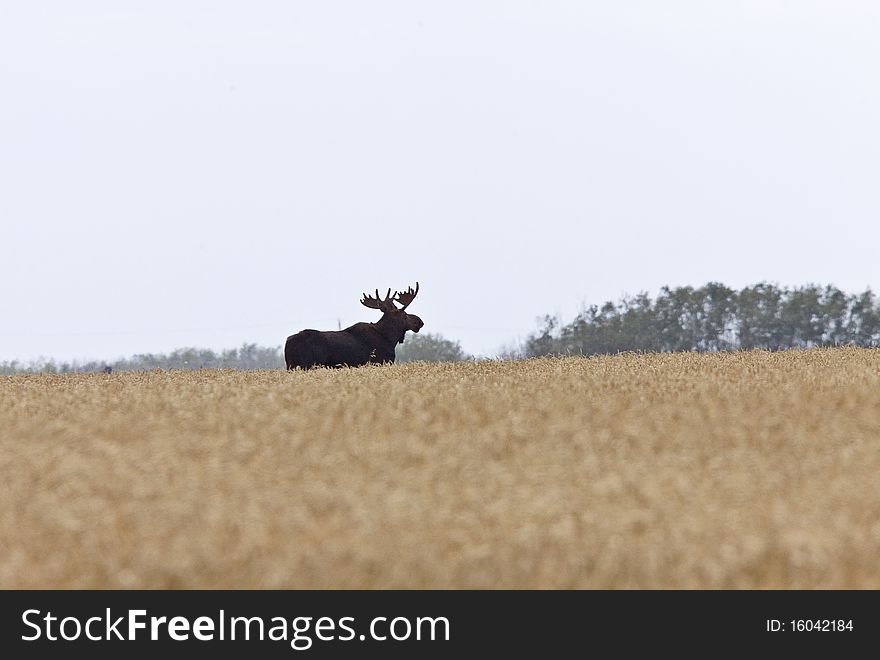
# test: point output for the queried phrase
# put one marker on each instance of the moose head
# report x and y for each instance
(395, 322)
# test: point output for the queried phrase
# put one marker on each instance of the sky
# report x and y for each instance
(212, 173)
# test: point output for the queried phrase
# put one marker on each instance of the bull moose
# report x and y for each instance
(361, 343)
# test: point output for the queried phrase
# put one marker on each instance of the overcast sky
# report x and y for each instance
(208, 173)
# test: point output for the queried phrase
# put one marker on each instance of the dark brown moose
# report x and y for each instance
(359, 344)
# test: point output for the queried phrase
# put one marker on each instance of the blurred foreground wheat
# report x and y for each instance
(742, 470)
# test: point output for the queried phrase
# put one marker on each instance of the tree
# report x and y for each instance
(713, 318)
(429, 347)
(543, 343)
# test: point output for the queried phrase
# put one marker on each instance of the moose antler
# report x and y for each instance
(383, 305)
(406, 297)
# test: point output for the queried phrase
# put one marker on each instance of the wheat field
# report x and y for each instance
(737, 470)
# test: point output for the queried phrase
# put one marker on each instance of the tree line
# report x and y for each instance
(715, 317)
(247, 357)
(709, 318)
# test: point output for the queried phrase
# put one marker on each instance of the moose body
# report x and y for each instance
(359, 344)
